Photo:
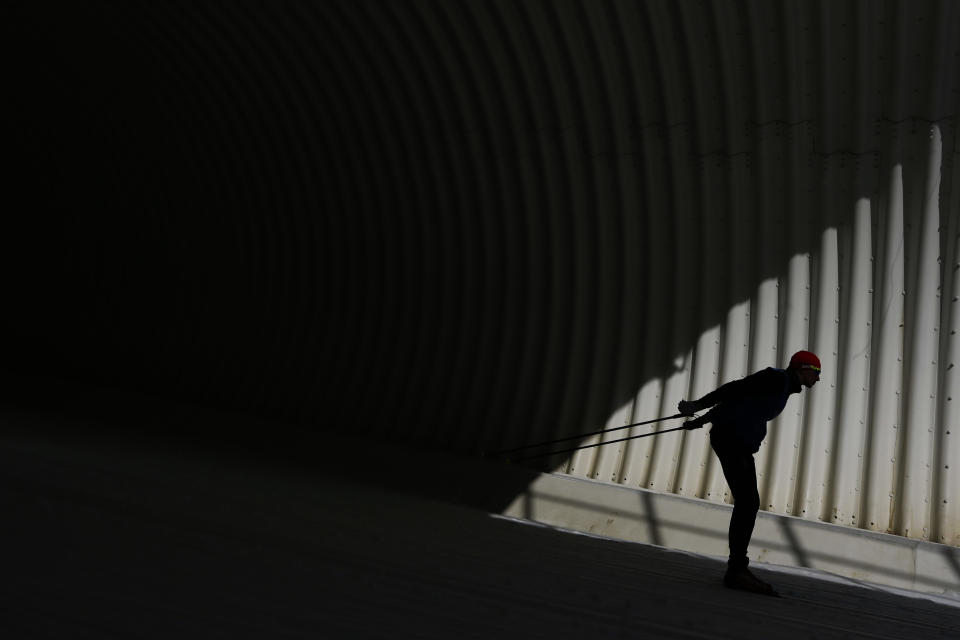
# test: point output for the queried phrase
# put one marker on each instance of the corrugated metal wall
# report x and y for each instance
(871, 445)
(789, 165)
(471, 225)
(847, 216)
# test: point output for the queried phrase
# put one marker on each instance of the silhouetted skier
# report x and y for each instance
(741, 410)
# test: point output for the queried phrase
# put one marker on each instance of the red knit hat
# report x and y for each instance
(805, 360)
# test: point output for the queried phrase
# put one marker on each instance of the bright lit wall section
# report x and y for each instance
(874, 445)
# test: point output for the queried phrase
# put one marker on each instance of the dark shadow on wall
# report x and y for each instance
(952, 559)
(801, 558)
(320, 217)
(653, 526)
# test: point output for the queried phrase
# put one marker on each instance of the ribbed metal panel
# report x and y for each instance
(475, 225)
(826, 210)
(860, 449)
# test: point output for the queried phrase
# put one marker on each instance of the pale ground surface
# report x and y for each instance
(102, 540)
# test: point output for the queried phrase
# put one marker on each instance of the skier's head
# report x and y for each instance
(807, 367)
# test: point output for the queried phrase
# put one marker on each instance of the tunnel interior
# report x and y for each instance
(453, 226)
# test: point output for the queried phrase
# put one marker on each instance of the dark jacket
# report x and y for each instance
(742, 408)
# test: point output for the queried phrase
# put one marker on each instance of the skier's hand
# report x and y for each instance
(690, 425)
(688, 407)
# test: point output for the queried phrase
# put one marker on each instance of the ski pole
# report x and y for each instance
(582, 435)
(689, 426)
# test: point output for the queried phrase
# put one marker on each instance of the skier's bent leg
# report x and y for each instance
(741, 475)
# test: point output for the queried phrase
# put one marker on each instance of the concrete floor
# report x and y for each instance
(115, 538)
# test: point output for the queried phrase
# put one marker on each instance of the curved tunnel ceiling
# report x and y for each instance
(464, 224)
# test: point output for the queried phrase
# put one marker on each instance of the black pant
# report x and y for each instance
(741, 474)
